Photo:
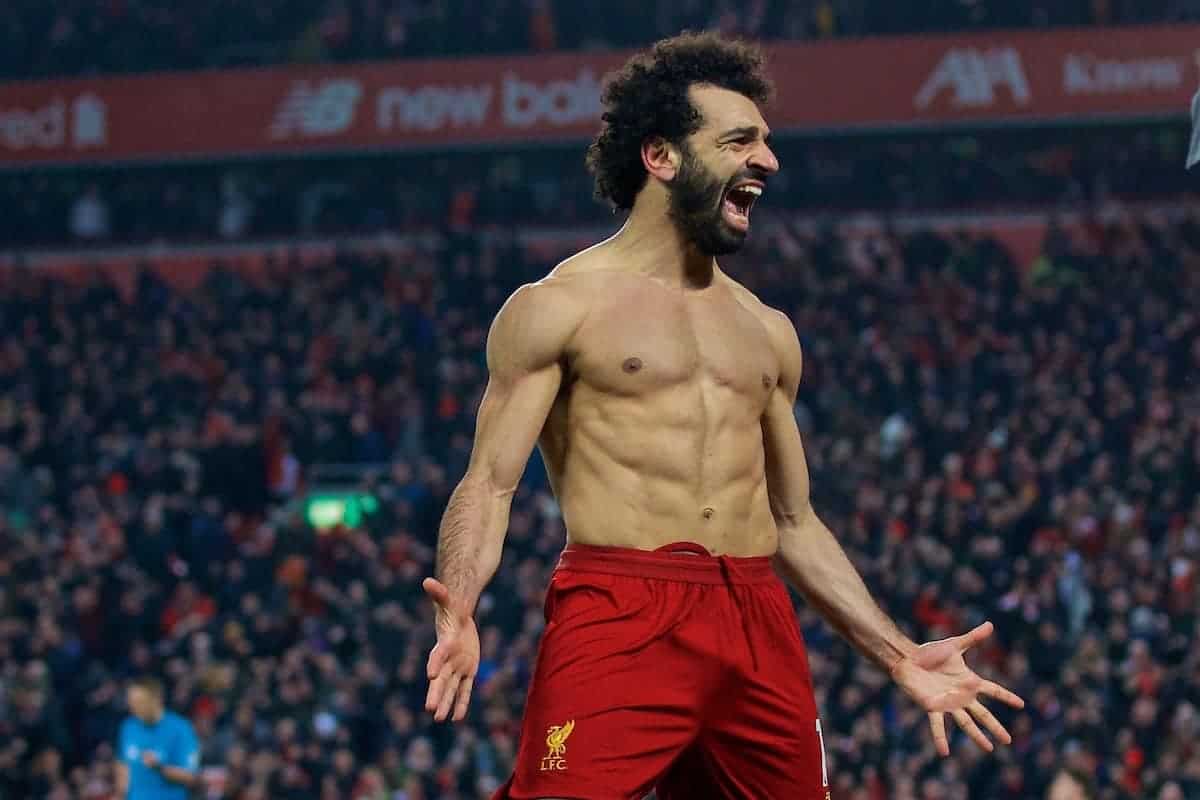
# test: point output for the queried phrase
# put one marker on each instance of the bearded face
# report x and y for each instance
(713, 212)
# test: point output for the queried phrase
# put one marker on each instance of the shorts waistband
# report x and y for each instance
(679, 561)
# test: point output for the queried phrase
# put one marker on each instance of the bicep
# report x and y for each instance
(524, 356)
(785, 464)
(511, 416)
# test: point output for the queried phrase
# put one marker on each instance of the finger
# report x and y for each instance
(437, 659)
(438, 684)
(447, 700)
(975, 636)
(971, 729)
(955, 698)
(1000, 693)
(937, 723)
(464, 699)
(433, 697)
(437, 591)
(980, 712)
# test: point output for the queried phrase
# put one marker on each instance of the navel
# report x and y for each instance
(632, 364)
(707, 513)
(766, 379)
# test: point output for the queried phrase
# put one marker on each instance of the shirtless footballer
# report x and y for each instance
(661, 394)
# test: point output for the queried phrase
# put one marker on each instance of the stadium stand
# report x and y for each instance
(1000, 405)
(988, 443)
(86, 37)
(977, 170)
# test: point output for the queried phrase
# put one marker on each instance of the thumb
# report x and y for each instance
(975, 636)
(437, 591)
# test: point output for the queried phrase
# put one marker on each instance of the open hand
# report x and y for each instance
(938, 678)
(454, 660)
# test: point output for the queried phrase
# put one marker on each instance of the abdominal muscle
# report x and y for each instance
(645, 472)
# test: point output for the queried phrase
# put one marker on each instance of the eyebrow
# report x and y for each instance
(746, 130)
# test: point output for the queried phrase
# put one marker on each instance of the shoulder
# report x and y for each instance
(533, 328)
(129, 733)
(539, 319)
(548, 299)
(179, 722)
(781, 333)
(566, 290)
(778, 325)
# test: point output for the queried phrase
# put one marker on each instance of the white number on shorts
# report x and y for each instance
(824, 768)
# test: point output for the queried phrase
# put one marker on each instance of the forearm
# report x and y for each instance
(812, 560)
(122, 782)
(178, 775)
(471, 540)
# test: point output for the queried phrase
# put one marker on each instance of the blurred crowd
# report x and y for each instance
(84, 37)
(987, 444)
(370, 194)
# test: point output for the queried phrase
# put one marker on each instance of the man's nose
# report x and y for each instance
(764, 159)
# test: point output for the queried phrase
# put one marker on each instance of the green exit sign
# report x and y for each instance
(327, 509)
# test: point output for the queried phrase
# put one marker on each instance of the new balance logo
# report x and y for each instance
(974, 75)
(324, 110)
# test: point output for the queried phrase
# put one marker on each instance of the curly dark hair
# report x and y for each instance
(648, 97)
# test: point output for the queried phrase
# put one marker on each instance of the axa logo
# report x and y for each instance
(974, 77)
(309, 111)
(556, 747)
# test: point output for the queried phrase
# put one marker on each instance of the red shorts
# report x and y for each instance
(670, 671)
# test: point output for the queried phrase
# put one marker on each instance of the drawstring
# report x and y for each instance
(728, 569)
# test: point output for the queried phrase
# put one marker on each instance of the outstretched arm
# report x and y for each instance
(809, 557)
(524, 356)
(812, 560)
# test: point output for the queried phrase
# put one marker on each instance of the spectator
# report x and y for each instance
(236, 211)
(89, 216)
(1069, 785)
(158, 752)
(981, 171)
(152, 35)
(1027, 450)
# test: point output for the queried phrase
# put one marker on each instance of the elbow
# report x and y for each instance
(787, 520)
(794, 528)
(793, 516)
(490, 481)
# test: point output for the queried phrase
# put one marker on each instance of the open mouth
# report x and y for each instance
(738, 202)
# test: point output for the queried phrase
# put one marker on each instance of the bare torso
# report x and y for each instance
(655, 435)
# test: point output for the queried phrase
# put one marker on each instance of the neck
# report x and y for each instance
(155, 717)
(654, 245)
